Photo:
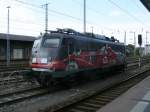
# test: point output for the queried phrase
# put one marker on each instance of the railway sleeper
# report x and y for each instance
(94, 102)
(97, 102)
(91, 104)
(85, 108)
(114, 93)
(75, 110)
(120, 90)
(103, 99)
(109, 97)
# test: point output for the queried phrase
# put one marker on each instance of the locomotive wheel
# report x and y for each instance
(72, 66)
(44, 81)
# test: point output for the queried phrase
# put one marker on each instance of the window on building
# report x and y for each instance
(2, 52)
(17, 53)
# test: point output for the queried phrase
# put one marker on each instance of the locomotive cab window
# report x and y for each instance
(51, 42)
(36, 43)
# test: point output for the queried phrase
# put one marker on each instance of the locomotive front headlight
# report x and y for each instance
(33, 60)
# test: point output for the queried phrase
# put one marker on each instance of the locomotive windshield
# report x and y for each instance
(45, 49)
(51, 43)
(49, 47)
(36, 43)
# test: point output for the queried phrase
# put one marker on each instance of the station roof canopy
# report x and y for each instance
(146, 3)
(17, 37)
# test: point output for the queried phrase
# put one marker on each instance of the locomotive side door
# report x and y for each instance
(67, 47)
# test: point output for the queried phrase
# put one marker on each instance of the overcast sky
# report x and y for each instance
(109, 17)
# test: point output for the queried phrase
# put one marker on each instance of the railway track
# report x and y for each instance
(8, 81)
(6, 75)
(13, 77)
(100, 99)
(21, 95)
(17, 96)
(16, 76)
(9, 69)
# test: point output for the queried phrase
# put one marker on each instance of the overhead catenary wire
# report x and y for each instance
(93, 10)
(141, 11)
(22, 22)
(59, 13)
(33, 7)
(128, 13)
(25, 28)
(90, 8)
(56, 12)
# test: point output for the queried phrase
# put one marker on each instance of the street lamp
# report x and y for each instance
(8, 40)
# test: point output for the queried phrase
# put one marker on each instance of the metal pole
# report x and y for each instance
(46, 18)
(8, 41)
(125, 34)
(146, 37)
(134, 44)
(140, 57)
(84, 20)
(92, 29)
(146, 43)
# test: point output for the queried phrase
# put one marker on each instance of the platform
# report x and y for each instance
(136, 99)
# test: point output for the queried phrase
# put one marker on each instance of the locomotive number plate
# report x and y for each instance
(43, 60)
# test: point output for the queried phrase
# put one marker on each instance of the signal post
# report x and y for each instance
(140, 43)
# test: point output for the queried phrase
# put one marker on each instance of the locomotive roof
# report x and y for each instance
(17, 37)
(88, 36)
(79, 37)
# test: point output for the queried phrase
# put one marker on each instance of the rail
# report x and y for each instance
(97, 100)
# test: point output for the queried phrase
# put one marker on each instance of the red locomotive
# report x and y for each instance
(61, 53)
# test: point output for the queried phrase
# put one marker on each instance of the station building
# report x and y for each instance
(20, 47)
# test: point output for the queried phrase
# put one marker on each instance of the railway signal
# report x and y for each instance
(140, 43)
(139, 39)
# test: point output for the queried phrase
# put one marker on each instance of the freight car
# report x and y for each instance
(66, 52)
